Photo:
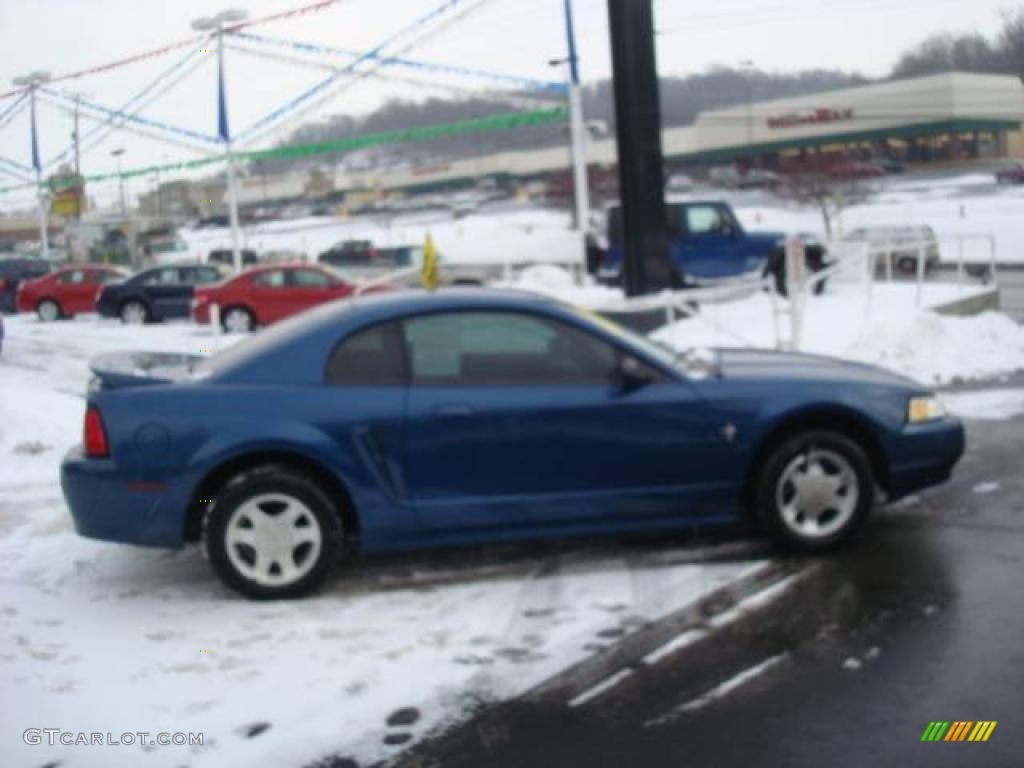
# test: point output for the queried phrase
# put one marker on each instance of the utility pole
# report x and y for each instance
(32, 81)
(117, 153)
(645, 267)
(577, 126)
(216, 24)
(78, 166)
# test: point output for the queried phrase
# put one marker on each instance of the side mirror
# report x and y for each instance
(630, 375)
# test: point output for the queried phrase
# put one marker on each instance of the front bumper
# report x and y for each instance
(106, 504)
(924, 455)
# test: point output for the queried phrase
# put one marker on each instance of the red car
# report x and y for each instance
(266, 294)
(1011, 174)
(66, 292)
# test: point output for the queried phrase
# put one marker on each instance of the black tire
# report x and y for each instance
(770, 486)
(317, 511)
(776, 269)
(134, 312)
(250, 320)
(48, 310)
(907, 265)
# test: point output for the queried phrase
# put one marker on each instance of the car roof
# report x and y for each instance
(295, 347)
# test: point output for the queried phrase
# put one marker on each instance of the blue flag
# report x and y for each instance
(36, 165)
(222, 103)
(570, 33)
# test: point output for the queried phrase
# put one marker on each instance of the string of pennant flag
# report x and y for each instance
(502, 121)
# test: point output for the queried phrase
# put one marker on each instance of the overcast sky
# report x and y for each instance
(511, 36)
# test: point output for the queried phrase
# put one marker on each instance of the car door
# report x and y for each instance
(163, 289)
(77, 291)
(707, 244)
(269, 295)
(517, 419)
(308, 287)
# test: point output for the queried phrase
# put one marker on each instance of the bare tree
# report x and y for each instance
(830, 195)
(1011, 40)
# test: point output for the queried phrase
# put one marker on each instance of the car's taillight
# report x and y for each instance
(95, 437)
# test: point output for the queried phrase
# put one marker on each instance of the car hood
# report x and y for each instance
(766, 236)
(771, 365)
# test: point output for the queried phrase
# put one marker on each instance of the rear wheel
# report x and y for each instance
(48, 310)
(134, 312)
(272, 533)
(238, 320)
(815, 489)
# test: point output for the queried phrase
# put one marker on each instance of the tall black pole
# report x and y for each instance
(645, 267)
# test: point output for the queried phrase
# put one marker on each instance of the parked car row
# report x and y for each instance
(258, 296)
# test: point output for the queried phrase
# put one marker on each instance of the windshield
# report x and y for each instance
(658, 350)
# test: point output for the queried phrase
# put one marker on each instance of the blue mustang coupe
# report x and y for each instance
(472, 416)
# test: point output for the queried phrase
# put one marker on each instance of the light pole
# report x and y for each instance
(32, 81)
(748, 67)
(116, 154)
(577, 127)
(216, 24)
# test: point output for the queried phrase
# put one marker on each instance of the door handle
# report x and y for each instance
(453, 410)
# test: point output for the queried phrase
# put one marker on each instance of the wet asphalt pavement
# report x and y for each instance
(921, 619)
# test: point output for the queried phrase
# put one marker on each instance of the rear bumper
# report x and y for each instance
(924, 455)
(106, 306)
(106, 504)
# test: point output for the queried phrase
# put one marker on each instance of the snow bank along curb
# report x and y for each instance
(575, 682)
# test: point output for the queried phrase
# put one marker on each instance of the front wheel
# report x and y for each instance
(134, 313)
(272, 533)
(48, 310)
(238, 320)
(815, 489)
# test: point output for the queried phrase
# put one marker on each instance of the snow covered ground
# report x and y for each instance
(524, 233)
(98, 637)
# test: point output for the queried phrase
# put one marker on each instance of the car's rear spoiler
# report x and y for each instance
(117, 370)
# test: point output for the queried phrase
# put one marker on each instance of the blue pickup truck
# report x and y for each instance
(707, 243)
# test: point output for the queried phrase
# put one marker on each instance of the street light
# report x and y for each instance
(577, 145)
(32, 81)
(217, 24)
(116, 153)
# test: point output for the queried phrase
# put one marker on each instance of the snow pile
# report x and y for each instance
(934, 349)
(937, 349)
(992, 404)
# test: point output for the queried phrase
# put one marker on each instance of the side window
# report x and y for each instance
(310, 278)
(370, 357)
(273, 278)
(74, 277)
(206, 275)
(704, 220)
(105, 276)
(504, 349)
(165, 276)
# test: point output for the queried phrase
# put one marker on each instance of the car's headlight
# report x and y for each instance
(925, 408)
